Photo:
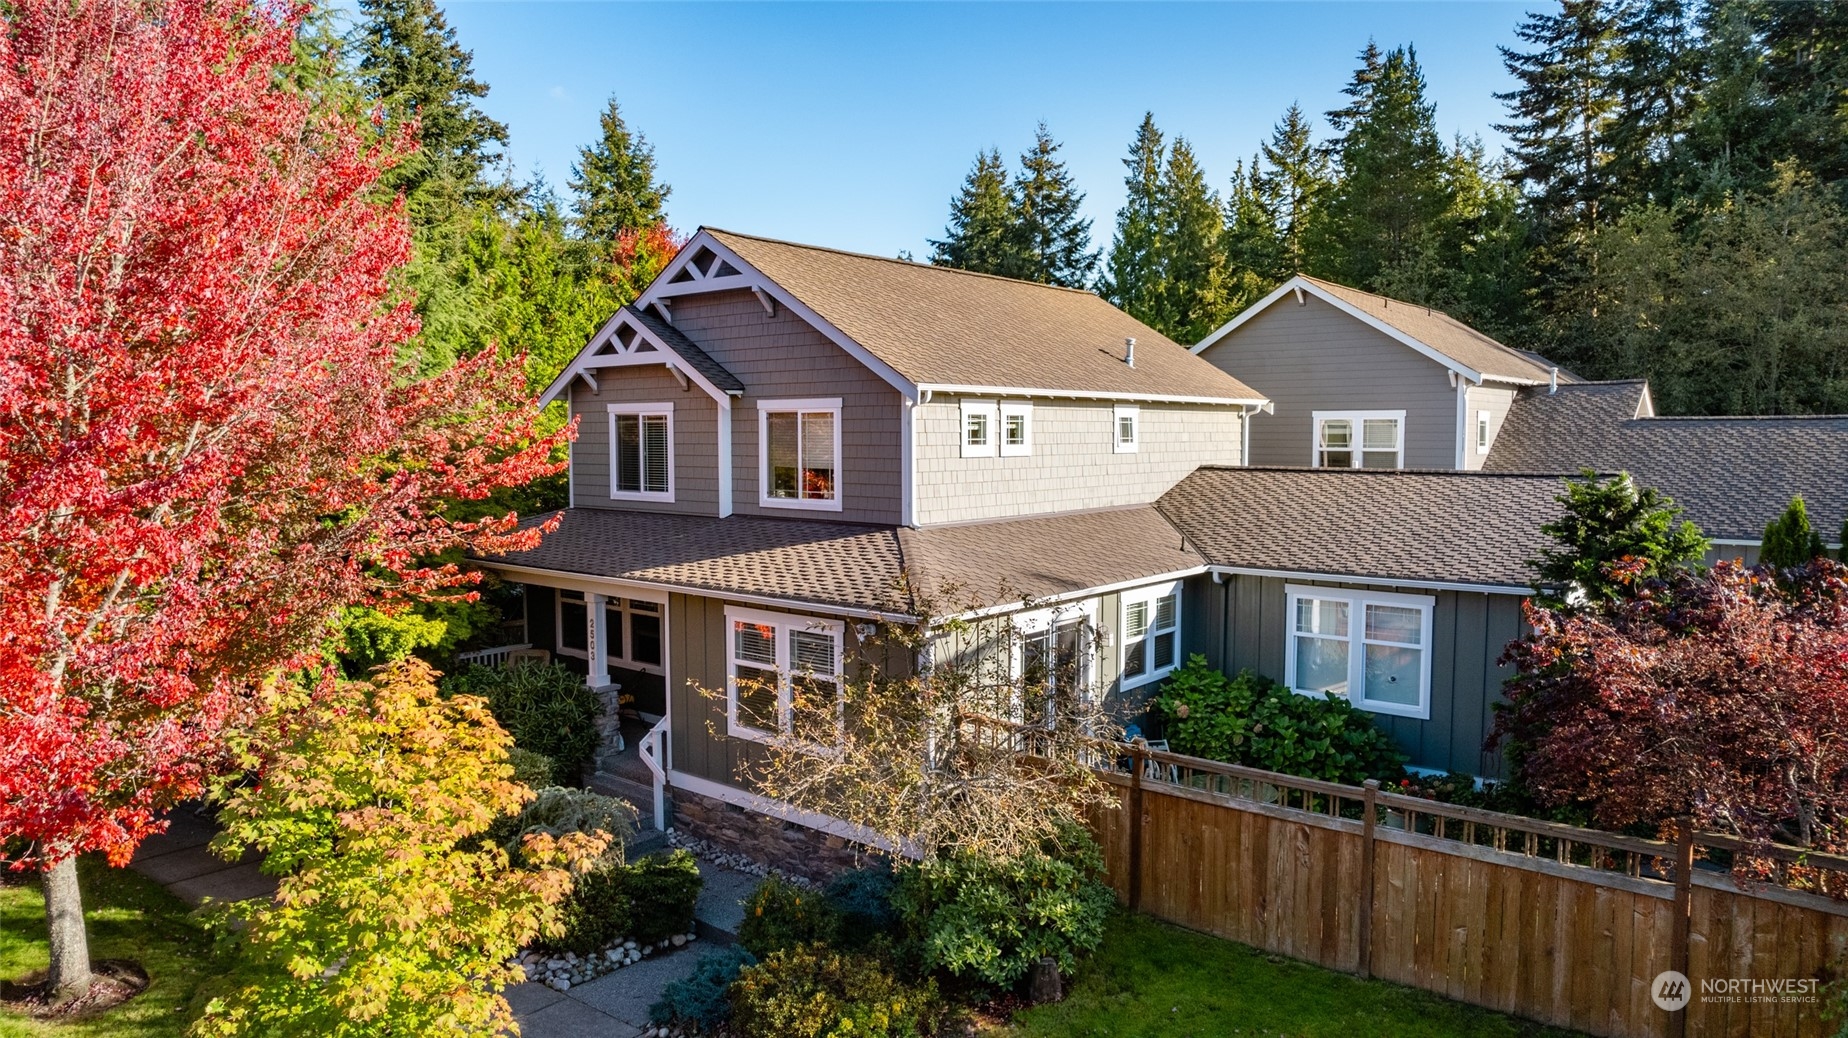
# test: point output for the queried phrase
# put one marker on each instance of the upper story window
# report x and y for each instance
(784, 676)
(1359, 439)
(1482, 432)
(1127, 428)
(1369, 646)
(799, 453)
(642, 452)
(1016, 430)
(1151, 633)
(978, 428)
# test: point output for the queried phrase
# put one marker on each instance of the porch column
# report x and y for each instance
(599, 639)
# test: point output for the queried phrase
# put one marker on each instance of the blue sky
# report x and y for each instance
(851, 125)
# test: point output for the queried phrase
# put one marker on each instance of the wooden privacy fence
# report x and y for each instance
(1558, 924)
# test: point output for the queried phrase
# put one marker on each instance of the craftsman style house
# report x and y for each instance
(781, 445)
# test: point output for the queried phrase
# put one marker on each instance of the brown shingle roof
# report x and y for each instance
(1455, 527)
(948, 568)
(689, 350)
(1730, 475)
(941, 326)
(1445, 334)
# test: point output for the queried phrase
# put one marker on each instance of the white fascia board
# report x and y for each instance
(660, 288)
(1304, 284)
(1073, 394)
(1069, 596)
(587, 361)
(601, 585)
(1352, 578)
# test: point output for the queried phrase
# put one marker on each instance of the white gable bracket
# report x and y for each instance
(764, 300)
(592, 358)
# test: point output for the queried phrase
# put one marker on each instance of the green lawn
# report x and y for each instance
(130, 917)
(1158, 980)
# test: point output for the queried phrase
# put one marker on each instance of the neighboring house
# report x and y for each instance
(1363, 381)
(773, 435)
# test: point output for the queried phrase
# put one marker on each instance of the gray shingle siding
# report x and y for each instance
(781, 357)
(696, 458)
(1312, 358)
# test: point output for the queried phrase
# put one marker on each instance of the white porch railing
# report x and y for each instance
(494, 657)
(653, 750)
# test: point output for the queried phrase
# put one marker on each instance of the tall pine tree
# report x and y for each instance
(1251, 241)
(1563, 113)
(1653, 77)
(1052, 242)
(980, 235)
(1194, 283)
(1296, 185)
(613, 183)
(1132, 275)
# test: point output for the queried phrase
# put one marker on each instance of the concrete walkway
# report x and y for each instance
(178, 860)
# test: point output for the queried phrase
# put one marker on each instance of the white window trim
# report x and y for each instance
(1040, 620)
(558, 624)
(1356, 417)
(1357, 602)
(1484, 420)
(1151, 595)
(764, 409)
(1134, 414)
(666, 409)
(1016, 409)
(627, 661)
(987, 409)
(783, 623)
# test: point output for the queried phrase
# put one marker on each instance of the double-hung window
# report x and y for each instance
(1372, 647)
(799, 454)
(978, 428)
(1016, 429)
(1151, 633)
(1126, 426)
(784, 676)
(1359, 439)
(642, 452)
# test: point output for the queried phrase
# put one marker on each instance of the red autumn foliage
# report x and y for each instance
(206, 446)
(1720, 695)
(637, 256)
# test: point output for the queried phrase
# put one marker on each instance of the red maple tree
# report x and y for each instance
(1721, 695)
(206, 445)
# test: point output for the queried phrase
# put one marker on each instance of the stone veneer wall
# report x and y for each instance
(787, 845)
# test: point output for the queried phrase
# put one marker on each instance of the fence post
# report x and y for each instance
(1369, 812)
(1138, 760)
(1679, 952)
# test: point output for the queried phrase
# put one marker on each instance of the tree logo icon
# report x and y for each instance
(1670, 990)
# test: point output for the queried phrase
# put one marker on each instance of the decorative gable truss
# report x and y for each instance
(627, 340)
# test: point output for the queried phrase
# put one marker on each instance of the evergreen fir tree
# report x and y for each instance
(1392, 190)
(1194, 277)
(1132, 278)
(1607, 521)
(411, 63)
(1789, 541)
(1359, 90)
(1806, 74)
(613, 183)
(1052, 242)
(1653, 77)
(1296, 185)
(1251, 242)
(980, 235)
(1563, 112)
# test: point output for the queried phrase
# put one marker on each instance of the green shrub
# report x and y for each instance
(546, 708)
(780, 915)
(558, 810)
(702, 999)
(862, 898)
(661, 890)
(529, 768)
(811, 991)
(990, 920)
(597, 912)
(1251, 720)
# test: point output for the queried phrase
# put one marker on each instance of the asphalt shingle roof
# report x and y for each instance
(946, 568)
(689, 350)
(1731, 476)
(1457, 527)
(1445, 334)
(941, 326)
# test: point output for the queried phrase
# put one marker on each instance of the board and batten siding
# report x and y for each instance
(1073, 462)
(696, 440)
(1243, 624)
(1491, 398)
(782, 357)
(1312, 357)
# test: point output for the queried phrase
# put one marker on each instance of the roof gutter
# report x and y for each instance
(1071, 596)
(1356, 578)
(1073, 394)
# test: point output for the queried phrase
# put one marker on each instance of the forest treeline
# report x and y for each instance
(1669, 205)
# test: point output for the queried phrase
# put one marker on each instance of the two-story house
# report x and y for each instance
(780, 445)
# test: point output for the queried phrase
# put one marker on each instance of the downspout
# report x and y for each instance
(1220, 579)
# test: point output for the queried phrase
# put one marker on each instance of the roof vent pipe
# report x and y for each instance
(1553, 383)
(1129, 351)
